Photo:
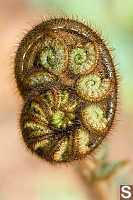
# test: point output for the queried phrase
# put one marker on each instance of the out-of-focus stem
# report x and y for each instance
(98, 188)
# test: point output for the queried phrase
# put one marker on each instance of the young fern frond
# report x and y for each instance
(67, 78)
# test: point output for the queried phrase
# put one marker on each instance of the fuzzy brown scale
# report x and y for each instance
(67, 78)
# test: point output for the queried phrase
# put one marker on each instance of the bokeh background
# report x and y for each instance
(23, 176)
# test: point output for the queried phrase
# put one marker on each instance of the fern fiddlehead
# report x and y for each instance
(67, 78)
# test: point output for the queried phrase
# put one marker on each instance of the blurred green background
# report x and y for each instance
(23, 176)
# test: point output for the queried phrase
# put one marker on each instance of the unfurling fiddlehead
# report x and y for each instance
(67, 78)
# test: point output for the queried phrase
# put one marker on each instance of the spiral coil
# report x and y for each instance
(67, 78)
